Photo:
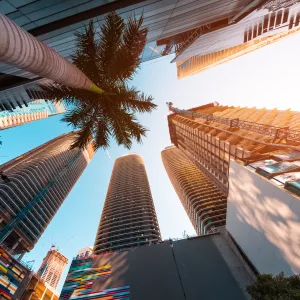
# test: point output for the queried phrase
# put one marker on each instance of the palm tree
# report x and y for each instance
(110, 59)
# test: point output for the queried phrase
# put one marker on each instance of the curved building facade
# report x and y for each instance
(128, 218)
(36, 185)
(203, 202)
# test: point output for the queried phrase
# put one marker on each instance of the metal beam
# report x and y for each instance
(83, 16)
(196, 33)
(246, 10)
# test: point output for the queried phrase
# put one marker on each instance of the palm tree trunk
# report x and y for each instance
(21, 49)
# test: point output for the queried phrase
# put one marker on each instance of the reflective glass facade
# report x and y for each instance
(55, 22)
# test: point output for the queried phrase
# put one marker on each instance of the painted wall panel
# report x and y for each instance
(265, 221)
(183, 270)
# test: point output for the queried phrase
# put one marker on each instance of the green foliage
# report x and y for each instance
(110, 59)
(269, 287)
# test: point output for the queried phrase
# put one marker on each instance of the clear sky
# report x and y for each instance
(267, 77)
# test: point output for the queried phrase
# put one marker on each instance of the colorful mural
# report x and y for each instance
(108, 294)
(79, 282)
(10, 275)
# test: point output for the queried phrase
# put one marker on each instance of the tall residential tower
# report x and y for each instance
(33, 187)
(203, 202)
(253, 158)
(128, 218)
(32, 111)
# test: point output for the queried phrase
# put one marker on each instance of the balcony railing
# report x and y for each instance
(290, 135)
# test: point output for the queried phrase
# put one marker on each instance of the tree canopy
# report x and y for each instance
(110, 59)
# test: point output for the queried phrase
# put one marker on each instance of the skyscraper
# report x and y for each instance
(52, 268)
(169, 22)
(33, 187)
(258, 24)
(128, 217)
(213, 135)
(253, 157)
(203, 202)
(33, 111)
(197, 64)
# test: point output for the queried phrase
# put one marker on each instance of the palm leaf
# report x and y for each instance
(109, 62)
(128, 57)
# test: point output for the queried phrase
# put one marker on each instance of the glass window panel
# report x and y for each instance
(22, 21)
(14, 15)
(18, 3)
(29, 26)
(6, 8)
(39, 5)
(65, 30)
(62, 9)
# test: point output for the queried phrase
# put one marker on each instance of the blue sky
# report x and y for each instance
(267, 77)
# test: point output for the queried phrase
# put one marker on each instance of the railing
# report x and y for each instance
(269, 130)
(13, 255)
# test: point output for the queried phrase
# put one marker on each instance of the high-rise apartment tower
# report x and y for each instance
(32, 188)
(52, 268)
(250, 155)
(32, 111)
(128, 218)
(203, 202)
(212, 135)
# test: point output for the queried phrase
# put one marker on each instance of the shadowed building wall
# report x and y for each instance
(128, 218)
(190, 269)
(263, 218)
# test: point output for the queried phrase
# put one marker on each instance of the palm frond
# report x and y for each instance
(128, 57)
(67, 94)
(109, 62)
(125, 129)
(101, 134)
(77, 116)
(110, 41)
(85, 57)
(133, 100)
(82, 139)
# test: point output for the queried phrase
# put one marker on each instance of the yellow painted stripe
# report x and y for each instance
(3, 269)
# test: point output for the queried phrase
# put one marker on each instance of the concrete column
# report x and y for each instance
(16, 244)
(34, 289)
(44, 293)
(21, 256)
(52, 296)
